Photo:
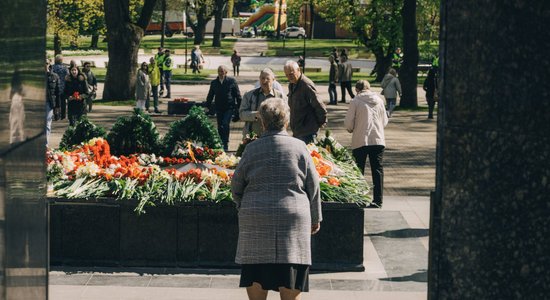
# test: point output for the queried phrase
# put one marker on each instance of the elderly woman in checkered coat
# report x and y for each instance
(276, 189)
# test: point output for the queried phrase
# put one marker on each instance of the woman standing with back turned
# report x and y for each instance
(276, 190)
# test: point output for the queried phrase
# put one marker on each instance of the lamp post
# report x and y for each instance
(186, 33)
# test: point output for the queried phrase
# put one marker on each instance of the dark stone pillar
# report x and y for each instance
(23, 218)
(490, 231)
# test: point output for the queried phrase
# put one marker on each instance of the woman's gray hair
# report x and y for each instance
(274, 114)
(58, 59)
(362, 85)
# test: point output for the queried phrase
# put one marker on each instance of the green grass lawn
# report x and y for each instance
(151, 42)
(315, 47)
(177, 74)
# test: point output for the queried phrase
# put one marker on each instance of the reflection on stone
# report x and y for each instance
(23, 214)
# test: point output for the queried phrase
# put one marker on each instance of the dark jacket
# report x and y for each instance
(226, 95)
(52, 90)
(307, 111)
(61, 71)
(79, 85)
(430, 84)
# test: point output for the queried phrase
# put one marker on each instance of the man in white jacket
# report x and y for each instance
(366, 119)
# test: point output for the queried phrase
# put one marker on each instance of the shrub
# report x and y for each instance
(194, 127)
(83, 131)
(134, 134)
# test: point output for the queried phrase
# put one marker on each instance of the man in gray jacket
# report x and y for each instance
(248, 111)
(307, 112)
(345, 72)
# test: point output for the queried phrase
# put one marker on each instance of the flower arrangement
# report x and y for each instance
(84, 130)
(134, 134)
(91, 171)
(249, 138)
(194, 127)
(183, 99)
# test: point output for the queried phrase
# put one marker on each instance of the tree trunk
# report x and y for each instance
(56, 44)
(123, 46)
(408, 73)
(123, 40)
(95, 41)
(383, 63)
(218, 19)
(163, 24)
(279, 12)
(200, 30)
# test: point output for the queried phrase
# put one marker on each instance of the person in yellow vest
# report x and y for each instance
(397, 59)
(159, 59)
(154, 76)
(167, 71)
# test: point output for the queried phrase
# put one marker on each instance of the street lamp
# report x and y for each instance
(185, 24)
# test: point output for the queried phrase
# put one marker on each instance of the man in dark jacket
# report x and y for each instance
(92, 84)
(62, 72)
(225, 92)
(307, 112)
(431, 88)
(53, 99)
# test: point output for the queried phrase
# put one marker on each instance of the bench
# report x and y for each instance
(356, 70)
(179, 51)
(180, 66)
(92, 63)
(314, 70)
(424, 68)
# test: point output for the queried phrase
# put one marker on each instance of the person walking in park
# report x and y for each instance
(92, 84)
(307, 112)
(276, 224)
(154, 76)
(431, 84)
(53, 99)
(196, 59)
(159, 59)
(397, 60)
(167, 65)
(334, 54)
(345, 74)
(142, 86)
(236, 62)
(62, 72)
(365, 119)
(225, 92)
(248, 111)
(391, 87)
(76, 91)
(332, 79)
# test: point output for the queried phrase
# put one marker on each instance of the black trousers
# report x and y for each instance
(332, 93)
(346, 85)
(375, 154)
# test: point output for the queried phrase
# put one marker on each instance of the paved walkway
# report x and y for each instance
(251, 47)
(396, 237)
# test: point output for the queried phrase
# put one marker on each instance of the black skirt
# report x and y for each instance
(273, 276)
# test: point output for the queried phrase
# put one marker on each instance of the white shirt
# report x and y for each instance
(366, 119)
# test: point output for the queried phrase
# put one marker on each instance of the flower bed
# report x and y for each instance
(90, 171)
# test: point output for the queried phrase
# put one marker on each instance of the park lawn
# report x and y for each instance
(177, 74)
(150, 43)
(315, 47)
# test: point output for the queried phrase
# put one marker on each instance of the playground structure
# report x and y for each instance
(266, 16)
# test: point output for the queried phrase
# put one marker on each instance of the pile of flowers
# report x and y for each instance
(91, 171)
(341, 181)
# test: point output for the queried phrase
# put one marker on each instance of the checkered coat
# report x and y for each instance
(276, 189)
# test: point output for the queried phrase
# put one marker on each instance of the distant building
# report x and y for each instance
(322, 29)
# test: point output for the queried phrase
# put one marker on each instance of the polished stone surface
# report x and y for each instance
(490, 232)
(23, 214)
